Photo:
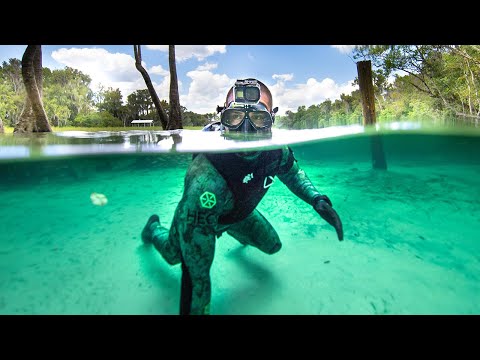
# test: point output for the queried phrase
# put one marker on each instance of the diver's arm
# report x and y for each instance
(296, 179)
(299, 183)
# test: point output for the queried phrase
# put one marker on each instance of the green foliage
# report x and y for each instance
(343, 111)
(12, 91)
(111, 101)
(448, 73)
(96, 119)
(66, 93)
(6, 103)
(190, 118)
(140, 104)
(411, 82)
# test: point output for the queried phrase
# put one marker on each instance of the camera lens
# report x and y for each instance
(252, 94)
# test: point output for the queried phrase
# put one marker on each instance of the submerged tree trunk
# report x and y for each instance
(175, 111)
(364, 70)
(33, 117)
(156, 101)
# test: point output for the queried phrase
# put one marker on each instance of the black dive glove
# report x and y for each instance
(323, 206)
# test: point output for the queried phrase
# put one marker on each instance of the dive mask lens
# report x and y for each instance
(260, 119)
(232, 118)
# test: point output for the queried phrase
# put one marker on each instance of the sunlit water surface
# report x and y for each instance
(411, 229)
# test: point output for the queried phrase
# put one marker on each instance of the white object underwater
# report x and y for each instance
(98, 199)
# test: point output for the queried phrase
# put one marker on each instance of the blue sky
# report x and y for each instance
(296, 74)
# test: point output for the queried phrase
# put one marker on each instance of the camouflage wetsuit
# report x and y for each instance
(221, 192)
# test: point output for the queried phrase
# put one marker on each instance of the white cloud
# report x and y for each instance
(207, 66)
(115, 70)
(163, 48)
(184, 52)
(159, 70)
(282, 77)
(206, 90)
(344, 49)
(98, 62)
(313, 92)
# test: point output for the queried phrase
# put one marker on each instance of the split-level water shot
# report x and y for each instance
(195, 180)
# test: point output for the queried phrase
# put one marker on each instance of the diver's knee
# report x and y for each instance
(171, 256)
(172, 260)
(170, 253)
(276, 248)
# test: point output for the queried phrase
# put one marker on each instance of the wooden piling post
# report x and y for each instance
(365, 81)
(364, 70)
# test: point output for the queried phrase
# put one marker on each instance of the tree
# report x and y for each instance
(175, 111)
(174, 119)
(33, 118)
(139, 104)
(12, 92)
(2, 129)
(13, 71)
(138, 64)
(66, 94)
(447, 73)
(111, 101)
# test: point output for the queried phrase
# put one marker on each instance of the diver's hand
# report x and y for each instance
(323, 206)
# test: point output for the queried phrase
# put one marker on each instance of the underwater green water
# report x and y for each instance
(411, 231)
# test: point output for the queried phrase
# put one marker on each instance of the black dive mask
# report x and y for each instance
(246, 118)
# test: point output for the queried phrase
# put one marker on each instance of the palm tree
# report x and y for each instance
(175, 112)
(156, 101)
(33, 117)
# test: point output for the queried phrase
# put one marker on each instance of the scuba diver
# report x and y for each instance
(221, 193)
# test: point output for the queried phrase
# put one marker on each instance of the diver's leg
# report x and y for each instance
(198, 250)
(164, 240)
(255, 230)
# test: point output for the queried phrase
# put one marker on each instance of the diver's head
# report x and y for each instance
(247, 108)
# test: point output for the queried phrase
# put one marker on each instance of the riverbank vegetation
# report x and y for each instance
(432, 83)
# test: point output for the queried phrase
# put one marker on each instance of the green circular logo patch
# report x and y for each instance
(208, 200)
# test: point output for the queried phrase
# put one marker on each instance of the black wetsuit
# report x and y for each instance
(248, 179)
(221, 193)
